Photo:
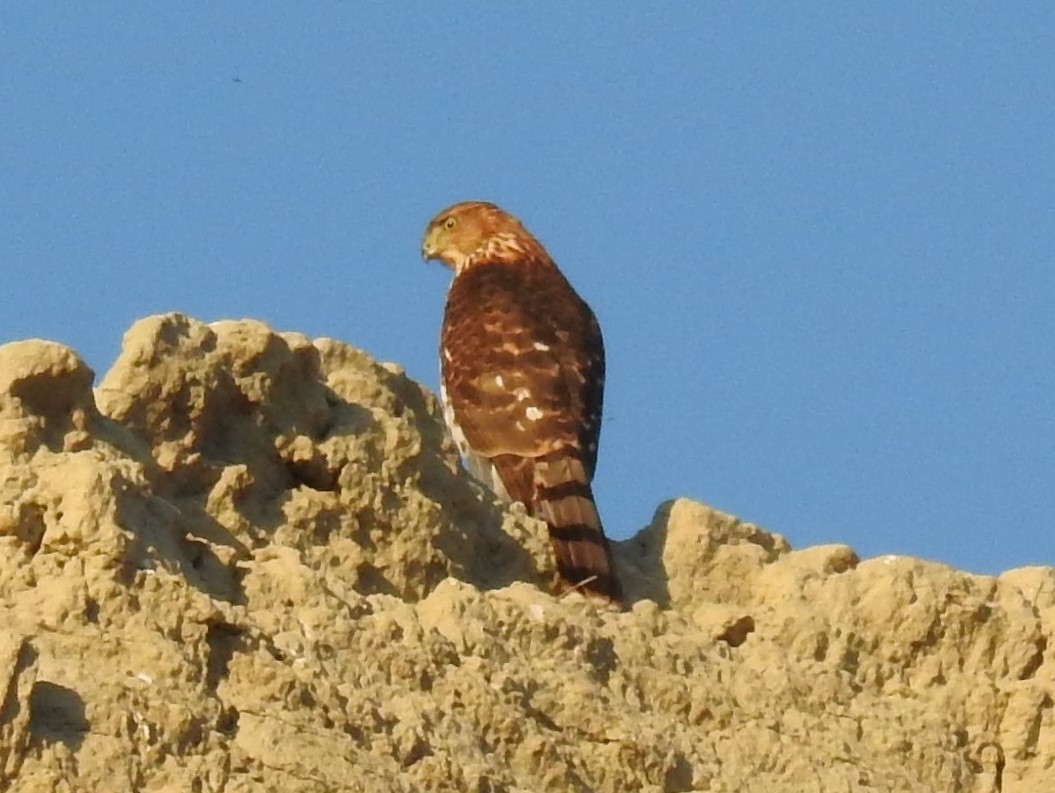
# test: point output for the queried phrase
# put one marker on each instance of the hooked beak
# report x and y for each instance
(429, 247)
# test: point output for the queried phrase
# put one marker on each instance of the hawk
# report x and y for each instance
(522, 380)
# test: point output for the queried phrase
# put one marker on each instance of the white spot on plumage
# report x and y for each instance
(540, 346)
(521, 394)
(533, 413)
(452, 425)
(499, 381)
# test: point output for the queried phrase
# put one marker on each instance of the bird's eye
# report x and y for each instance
(449, 223)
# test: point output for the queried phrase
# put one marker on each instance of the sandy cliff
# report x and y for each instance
(249, 561)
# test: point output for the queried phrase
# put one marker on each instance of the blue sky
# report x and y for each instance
(819, 238)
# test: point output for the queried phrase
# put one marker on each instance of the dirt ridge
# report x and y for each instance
(250, 561)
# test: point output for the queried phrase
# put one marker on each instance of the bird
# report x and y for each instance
(522, 382)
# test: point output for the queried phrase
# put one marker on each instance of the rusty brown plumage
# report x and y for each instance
(522, 365)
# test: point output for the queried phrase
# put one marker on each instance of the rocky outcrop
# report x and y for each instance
(249, 561)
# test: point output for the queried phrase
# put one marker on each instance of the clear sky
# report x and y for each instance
(820, 238)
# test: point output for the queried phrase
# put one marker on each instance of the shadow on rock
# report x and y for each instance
(182, 541)
(56, 715)
(639, 561)
(485, 545)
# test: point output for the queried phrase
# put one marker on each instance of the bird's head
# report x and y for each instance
(472, 227)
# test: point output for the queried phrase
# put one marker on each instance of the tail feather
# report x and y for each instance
(564, 499)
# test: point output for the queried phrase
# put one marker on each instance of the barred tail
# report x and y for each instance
(563, 499)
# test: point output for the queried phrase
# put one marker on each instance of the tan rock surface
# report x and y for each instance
(249, 561)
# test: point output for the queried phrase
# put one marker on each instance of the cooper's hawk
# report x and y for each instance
(522, 374)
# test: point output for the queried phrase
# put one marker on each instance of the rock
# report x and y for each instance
(250, 561)
(17, 677)
(45, 397)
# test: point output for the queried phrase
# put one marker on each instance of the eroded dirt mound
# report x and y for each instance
(249, 561)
